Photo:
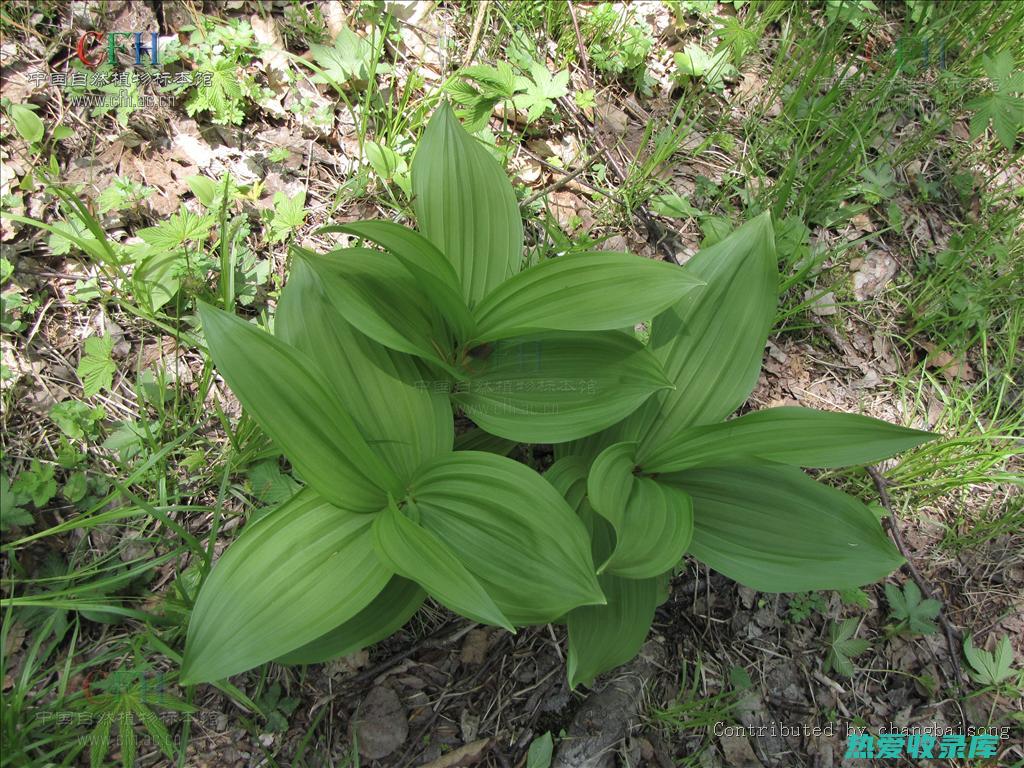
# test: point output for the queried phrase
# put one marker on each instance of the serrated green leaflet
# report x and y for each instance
(512, 530)
(414, 551)
(599, 291)
(775, 529)
(290, 399)
(292, 576)
(798, 436)
(558, 386)
(465, 206)
(404, 425)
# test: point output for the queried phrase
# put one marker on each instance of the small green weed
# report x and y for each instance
(913, 615)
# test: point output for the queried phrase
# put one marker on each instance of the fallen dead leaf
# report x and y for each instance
(474, 647)
(876, 270)
(950, 367)
(273, 57)
(470, 754)
(863, 222)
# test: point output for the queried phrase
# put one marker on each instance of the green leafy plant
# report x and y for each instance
(77, 419)
(376, 343)
(484, 86)
(617, 43)
(122, 194)
(802, 606)
(26, 122)
(540, 752)
(540, 90)
(990, 669)
(349, 59)
(222, 53)
(96, 368)
(277, 708)
(913, 615)
(693, 62)
(118, 701)
(844, 646)
(480, 88)
(853, 12)
(289, 214)
(1002, 104)
(12, 513)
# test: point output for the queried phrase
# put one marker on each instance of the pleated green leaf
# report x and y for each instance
(710, 343)
(556, 387)
(417, 553)
(292, 576)
(775, 529)
(512, 530)
(610, 480)
(427, 264)
(601, 637)
(403, 424)
(799, 436)
(384, 616)
(465, 206)
(600, 291)
(374, 292)
(568, 476)
(476, 439)
(287, 395)
(653, 522)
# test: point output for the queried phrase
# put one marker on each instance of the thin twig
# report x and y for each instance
(554, 185)
(474, 38)
(576, 175)
(953, 635)
(579, 43)
(656, 233)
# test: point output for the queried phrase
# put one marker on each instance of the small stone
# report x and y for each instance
(380, 725)
(824, 305)
(737, 752)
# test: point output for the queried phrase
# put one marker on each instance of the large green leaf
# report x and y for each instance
(384, 616)
(512, 530)
(288, 396)
(558, 386)
(418, 554)
(568, 475)
(598, 291)
(380, 297)
(292, 576)
(710, 343)
(427, 264)
(402, 423)
(601, 637)
(775, 529)
(465, 206)
(799, 436)
(653, 522)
